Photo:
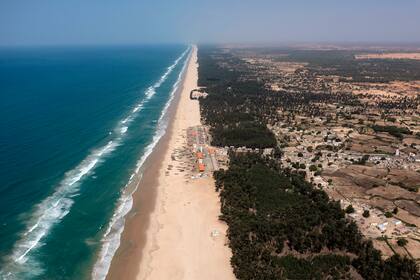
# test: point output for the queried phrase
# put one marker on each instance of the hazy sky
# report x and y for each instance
(28, 22)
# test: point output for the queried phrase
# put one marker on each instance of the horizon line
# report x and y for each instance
(261, 43)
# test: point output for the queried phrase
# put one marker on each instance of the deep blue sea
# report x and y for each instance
(75, 124)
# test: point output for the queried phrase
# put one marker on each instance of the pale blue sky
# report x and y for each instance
(34, 22)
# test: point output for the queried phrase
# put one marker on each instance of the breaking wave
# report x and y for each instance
(55, 207)
(112, 235)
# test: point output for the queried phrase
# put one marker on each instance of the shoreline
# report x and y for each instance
(136, 222)
(156, 229)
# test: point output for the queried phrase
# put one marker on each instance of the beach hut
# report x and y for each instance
(201, 167)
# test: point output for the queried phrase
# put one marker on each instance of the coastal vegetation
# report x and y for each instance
(280, 225)
(232, 109)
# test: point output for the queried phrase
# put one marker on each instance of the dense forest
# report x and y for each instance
(231, 108)
(280, 226)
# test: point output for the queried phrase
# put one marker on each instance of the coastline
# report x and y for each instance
(170, 222)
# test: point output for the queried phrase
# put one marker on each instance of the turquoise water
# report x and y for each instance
(74, 123)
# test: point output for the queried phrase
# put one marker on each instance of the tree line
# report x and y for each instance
(280, 226)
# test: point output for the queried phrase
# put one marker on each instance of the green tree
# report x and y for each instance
(366, 214)
(402, 242)
(313, 168)
(350, 209)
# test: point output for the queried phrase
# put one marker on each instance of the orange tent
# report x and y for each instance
(201, 167)
(199, 155)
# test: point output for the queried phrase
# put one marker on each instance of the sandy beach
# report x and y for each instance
(168, 233)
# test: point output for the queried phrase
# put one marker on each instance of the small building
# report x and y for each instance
(382, 227)
(397, 222)
(201, 167)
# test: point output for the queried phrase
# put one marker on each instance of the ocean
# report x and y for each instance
(76, 124)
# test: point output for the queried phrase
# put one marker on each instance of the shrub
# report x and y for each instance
(313, 168)
(402, 242)
(366, 214)
(350, 209)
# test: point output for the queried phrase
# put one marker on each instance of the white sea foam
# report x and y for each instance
(149, 93)
(124, 129)
(56, 206)
(49, 212)
(125, 120)
(112, 235)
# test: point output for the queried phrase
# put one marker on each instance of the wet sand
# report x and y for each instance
(168, 233)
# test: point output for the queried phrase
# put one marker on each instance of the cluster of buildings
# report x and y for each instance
(207, 159)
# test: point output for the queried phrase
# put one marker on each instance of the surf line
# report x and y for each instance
(112, 236)
(55, 207)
